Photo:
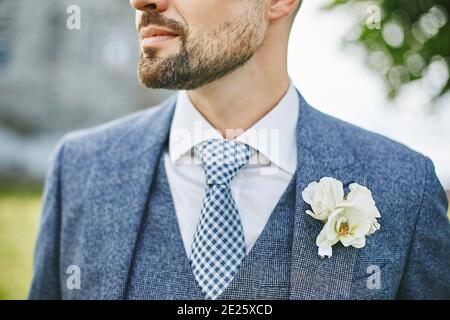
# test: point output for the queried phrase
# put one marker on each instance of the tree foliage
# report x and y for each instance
(405, 40)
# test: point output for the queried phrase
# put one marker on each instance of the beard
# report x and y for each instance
(203, 57)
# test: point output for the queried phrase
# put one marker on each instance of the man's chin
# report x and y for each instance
(162, 73)
(149, 71)
(153, 78)
(150, 80)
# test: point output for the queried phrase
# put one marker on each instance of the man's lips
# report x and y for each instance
(152, 35)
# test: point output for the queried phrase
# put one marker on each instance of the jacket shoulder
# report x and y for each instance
(391, 169)
(96, 140)
(373, 148)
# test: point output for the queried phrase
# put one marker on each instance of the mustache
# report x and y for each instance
(156, 19)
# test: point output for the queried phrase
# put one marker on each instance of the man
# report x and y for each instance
(205, 196)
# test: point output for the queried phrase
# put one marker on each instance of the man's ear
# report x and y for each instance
(279, 9)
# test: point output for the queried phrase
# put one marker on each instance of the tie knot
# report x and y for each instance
(222, 159)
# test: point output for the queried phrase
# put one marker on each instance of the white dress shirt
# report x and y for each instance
(256, 189)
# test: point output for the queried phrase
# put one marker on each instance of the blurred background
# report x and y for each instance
(66, 65)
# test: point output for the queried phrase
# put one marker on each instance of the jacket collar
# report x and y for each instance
(149, 132)
(322, 137)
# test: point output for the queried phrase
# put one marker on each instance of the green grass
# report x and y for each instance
(19, 222)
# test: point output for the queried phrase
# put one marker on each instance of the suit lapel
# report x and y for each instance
(321, 152)
(118, 190)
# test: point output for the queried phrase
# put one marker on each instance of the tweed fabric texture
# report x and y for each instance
(97, 191)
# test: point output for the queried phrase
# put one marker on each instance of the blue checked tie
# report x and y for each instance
(219, 248)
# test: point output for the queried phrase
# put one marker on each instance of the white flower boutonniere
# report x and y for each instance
(348, 219)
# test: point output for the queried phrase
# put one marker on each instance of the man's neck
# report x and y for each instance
(240, 99)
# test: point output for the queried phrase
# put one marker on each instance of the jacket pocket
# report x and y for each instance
(382, 284)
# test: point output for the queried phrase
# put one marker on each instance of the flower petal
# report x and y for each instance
(362, 198)
(330, 226)
(358, 221)
(323, 241)
(308, 193)
(359, 242)
(323, 197)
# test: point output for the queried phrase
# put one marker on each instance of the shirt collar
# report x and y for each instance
(273, 136)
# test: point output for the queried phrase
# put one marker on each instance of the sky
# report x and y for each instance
(334, 79)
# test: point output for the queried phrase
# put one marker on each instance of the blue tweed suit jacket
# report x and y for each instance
(96, 192)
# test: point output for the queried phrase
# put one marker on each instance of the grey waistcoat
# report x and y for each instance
(160, 267)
